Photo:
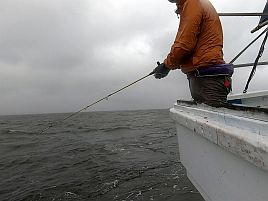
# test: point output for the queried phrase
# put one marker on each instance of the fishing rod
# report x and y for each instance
(53, 124)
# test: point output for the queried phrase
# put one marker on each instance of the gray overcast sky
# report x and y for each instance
(61, 55)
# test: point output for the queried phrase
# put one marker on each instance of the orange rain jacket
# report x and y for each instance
(199, 40)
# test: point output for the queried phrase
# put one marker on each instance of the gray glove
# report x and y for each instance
(161, 71)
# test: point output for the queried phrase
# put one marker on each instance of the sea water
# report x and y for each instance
(124, 155)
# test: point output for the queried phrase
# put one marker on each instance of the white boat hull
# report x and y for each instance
(224, 160)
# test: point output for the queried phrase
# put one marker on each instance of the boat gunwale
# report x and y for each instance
(230, 106)
(246, 144)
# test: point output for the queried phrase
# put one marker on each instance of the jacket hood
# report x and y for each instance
(182, 2)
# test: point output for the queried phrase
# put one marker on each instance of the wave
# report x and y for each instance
(15, 131)
(116, 129)
(106, 130)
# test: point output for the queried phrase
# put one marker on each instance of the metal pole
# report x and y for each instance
(242, 14)
(249, 64)
(259, 26)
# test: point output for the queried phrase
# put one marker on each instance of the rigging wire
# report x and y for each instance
(249, 64)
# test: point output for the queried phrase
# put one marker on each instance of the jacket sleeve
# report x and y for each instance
(187, 36)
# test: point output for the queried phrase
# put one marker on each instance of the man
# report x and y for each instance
(197, 51)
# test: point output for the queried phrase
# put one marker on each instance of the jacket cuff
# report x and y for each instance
(169, 65)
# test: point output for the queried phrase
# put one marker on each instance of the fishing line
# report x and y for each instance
(53, 124)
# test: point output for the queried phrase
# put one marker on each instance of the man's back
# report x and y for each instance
(199, 37)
